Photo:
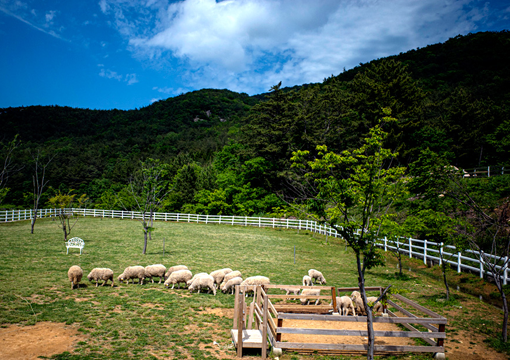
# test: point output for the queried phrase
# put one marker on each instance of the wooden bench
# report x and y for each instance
(75, 242)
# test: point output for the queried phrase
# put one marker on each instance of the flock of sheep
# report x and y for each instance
(225, 279)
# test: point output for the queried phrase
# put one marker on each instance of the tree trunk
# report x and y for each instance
(504, 331)
(445, 280)
(144, 240)
(400, 264)
(368, 310)
(33, 221)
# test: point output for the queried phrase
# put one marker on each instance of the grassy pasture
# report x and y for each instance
(151, 322)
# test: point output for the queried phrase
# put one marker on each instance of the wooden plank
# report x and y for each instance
(240, 318)
(349, 347)
(304, 309)
(376, 319)
(264, 328)
(333, 299)
(235, 307)
(250, 318)
(249, 339)
(412, 328)
(417, 306)
(405, 312)
(406, 334)
(299, 296)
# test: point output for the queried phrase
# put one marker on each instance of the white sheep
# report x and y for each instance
(206, 281)
(188, 283)
(229, 276)
(218, 275)
(310, 292)
(231, 284)
(343, 304)
(307, 281)
(75, 274)
(178, 277)
(104, 274)
(157, 270)
(256, 280)
(171, 269)
(132, 273)
(358, 303)
(317, 275)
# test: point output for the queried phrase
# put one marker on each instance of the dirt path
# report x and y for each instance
(42, 339)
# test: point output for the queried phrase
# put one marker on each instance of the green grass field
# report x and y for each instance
(151, 322)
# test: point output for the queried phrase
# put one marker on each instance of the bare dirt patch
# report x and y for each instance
(220, 312)
(327, 339)
(42, 339)
(467, 346)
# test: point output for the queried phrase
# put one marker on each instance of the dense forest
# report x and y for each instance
(229, 153)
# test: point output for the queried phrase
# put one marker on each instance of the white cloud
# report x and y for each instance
(249, 45)
(109, 74)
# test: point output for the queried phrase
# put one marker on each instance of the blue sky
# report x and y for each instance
(126, 54)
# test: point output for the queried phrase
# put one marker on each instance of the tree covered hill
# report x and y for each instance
(227, 147)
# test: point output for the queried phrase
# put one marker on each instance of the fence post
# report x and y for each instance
(440, 253)
(425, 252)
(459, 269)
(488, 171)
(287, 223)
(385, 243)
(481, 265)
(410, 248)
(260, 222)
(505, 273)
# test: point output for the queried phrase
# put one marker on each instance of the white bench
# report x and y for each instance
(75, 242)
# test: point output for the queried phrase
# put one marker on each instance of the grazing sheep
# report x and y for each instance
(188, 283)
(218, 275)
(317, 275)
(307, 281)
(157, 270)
(343, 304)
(310, 292)
(206, 281)
(104, 274)
(358, 303)
(178, 277)
(231, 284)
(256, 280)
(75, 274)
(231, 275)
(132, 273)
(175, 268)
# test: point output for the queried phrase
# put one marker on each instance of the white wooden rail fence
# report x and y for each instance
(422, 249)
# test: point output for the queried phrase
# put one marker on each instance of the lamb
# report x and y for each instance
(189, 282)
(206, 281)
(343, 304)
(231, 284)
(307, 281)
(155, 271)
(256, 280)
(75, 274)
(358, 302)
(104, 274)
(317, 275)
(178, 277)
(132, 273)
(310, 292)
(229, 276)
(175, 268)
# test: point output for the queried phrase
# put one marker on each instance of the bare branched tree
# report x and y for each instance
(8, 166)
(147, 188)
(39, 180)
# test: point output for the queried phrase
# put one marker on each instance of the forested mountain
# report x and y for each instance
(230, 153)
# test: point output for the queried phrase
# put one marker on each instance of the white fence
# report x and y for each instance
(422, 249)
